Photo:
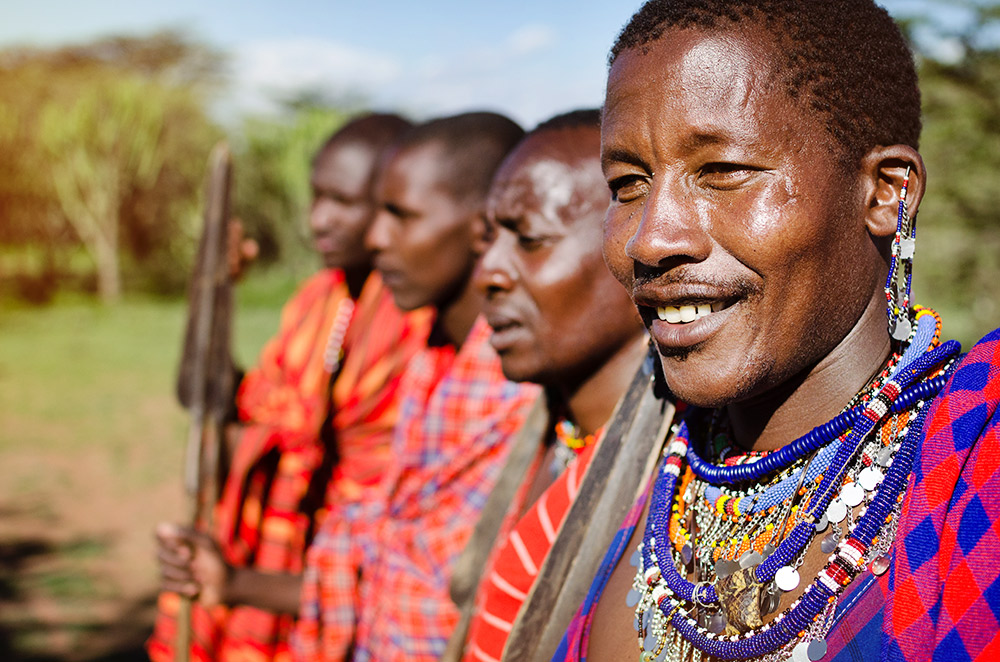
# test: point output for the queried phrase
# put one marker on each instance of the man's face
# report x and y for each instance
(341, 204)
(729, 210)
(422, 236)
(557, 313)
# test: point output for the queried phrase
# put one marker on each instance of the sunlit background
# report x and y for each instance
(108, 111)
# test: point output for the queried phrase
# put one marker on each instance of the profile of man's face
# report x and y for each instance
(341, 207)
(423, 234)
(556, 311)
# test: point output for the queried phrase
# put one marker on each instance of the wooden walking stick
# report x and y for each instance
(205, 377)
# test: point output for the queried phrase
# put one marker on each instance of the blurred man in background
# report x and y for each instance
(457, 414)
(316, 415)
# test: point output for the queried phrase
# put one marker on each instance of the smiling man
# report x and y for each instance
(458, 411)
(834, 489)
(561, 320)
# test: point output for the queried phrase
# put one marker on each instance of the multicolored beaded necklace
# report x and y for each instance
(741, 527)
(570, 442)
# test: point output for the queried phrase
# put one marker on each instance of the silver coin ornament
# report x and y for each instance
(869, 478)
(852, 495)
(725, 567)
(822, 523)
(750, 559)
(829, 543)
(884, 457)
(718, 623)
(787, 578)
(836, 512)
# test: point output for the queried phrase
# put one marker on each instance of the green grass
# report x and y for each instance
(91, 445)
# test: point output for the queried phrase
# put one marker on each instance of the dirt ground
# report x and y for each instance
(77, 576)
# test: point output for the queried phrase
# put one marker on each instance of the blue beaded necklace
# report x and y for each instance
(666, 589)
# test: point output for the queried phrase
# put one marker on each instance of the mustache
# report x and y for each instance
(735, 286)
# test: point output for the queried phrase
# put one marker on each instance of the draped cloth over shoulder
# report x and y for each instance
(283, 477)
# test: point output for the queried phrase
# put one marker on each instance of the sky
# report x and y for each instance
(528, 59)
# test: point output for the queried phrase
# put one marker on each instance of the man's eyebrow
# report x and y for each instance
(621, 155)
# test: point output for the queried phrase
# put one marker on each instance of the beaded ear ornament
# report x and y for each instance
(897, 284)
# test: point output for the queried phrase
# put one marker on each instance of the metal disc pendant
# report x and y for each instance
(901, 328)
(769, 599)
(636, 559)
(751, 559)
(718, 623)
(768, 550)
(884, 457)
(879, 565)
(632, 598)
(816, 650)
(687, 553)
(809, 651)
(869, 478)
(787, 578)
(852, 494)
(650, 642)
(822, 523)
(829, 543)
(836, 511)
(724, 568)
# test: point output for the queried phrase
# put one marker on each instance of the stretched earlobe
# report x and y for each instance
(896, 175)
(885, 169)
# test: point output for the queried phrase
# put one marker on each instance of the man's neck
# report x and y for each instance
(455, 318)
(818, 395)
(355, 278)
(591, 401)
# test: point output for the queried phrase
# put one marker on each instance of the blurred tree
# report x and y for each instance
(108, 143)
(958, 231)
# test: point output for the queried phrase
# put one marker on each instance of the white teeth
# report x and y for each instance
(669, 314)
(690, 313)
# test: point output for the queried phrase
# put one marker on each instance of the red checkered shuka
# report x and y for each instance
(457, 416)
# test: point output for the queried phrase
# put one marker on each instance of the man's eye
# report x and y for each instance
(628, 188)
(726, 175)
(530, 242)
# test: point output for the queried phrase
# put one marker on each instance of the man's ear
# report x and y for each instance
(478, 234)
(883, 170)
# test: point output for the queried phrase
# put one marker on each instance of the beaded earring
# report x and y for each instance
(897, 284)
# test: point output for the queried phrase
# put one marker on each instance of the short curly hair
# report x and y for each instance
(845, 59)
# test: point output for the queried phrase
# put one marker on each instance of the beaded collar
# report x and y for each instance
(569, 443)
(744, 528)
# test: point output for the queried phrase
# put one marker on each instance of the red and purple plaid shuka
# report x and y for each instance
(457, 415)
(940, 600)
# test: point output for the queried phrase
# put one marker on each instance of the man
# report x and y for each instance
(764, 175)
(457, 414)
(559, 319)
(316, 413)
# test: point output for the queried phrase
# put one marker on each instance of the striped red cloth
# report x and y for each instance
(279, 485)
(457, 416)
(522, 545)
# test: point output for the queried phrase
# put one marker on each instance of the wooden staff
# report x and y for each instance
(205, 377)
(619, 470)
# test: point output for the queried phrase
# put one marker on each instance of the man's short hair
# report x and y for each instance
(376, 130)
(844, 59)
(583, 118)
(474, 144)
